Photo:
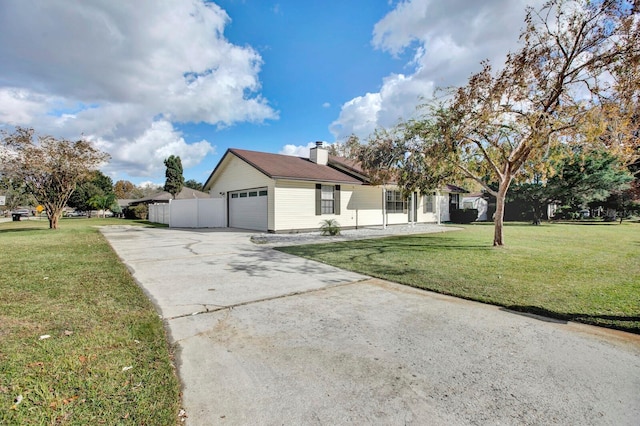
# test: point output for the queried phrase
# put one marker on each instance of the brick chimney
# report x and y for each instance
(318, 154)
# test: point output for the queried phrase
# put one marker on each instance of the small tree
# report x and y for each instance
(49, 167)
(175, 180)
(102, 202)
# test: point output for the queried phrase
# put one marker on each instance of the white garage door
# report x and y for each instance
(248, 209)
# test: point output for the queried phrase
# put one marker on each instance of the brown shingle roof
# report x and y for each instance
(455, 189)
(164, 196)
(278, 166)
(347, 164)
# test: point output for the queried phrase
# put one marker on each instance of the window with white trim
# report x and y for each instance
(454, 201)
(429, 204)
(327, 202)
(395, 203)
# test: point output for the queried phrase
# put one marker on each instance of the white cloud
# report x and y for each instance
(19, 106)
(145, 155)
(446, 41)
(297, 150)
(122, 71)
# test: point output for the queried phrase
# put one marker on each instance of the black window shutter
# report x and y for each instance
(336, 200)
(318, 199)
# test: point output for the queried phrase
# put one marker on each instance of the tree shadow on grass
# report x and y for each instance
(8, 231)
(629, 324)
(383, 245)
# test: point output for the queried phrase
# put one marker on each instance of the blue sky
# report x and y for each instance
(148, 79)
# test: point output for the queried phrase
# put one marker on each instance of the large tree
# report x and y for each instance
(579, 179)
(175, 179)
(96, 185)
(574, 81)
(587, 177)
(194, 184)
(49, 167)
(124, 189)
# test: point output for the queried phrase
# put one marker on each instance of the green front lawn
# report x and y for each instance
(106, 360)
(582, 272)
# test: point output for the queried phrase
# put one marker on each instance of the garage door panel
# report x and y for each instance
(248, 209)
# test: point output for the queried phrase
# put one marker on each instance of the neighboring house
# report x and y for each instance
(281, 193)
(164, 197)
(476, 201)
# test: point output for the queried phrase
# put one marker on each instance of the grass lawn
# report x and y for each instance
(583, 272)
(106, 360)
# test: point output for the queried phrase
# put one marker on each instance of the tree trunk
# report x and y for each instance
(498, 219)
(53, 219)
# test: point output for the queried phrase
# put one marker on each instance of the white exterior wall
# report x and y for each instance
(364, 206)
(295, 206)
(360, 206)
(425, 216)
(235, 175)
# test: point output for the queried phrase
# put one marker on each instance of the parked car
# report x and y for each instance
(21, 212)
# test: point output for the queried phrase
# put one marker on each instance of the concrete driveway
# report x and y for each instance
(268, 338)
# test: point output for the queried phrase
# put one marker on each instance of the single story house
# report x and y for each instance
(165, 197)
(281, 193)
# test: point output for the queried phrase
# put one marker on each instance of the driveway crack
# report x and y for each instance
(217, 308)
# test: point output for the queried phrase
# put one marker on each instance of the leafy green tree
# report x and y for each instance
(103, 202)
(175, 179)
(15, 192)
(580, 179)
(96, 185)
(532, 198)
(50, 167)
(585, 178)
(84, 191)
(194, 184)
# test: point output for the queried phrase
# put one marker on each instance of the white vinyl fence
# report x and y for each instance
(159, 213)
(192, 213)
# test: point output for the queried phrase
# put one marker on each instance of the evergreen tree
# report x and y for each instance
(175, 180)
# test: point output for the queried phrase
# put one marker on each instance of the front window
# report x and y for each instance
(395, 203)
(454, 201)
(429, 203)
(327, 199)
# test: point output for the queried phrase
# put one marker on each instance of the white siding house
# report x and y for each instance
(279, 193)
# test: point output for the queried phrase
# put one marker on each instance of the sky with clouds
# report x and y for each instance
(146, 79)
